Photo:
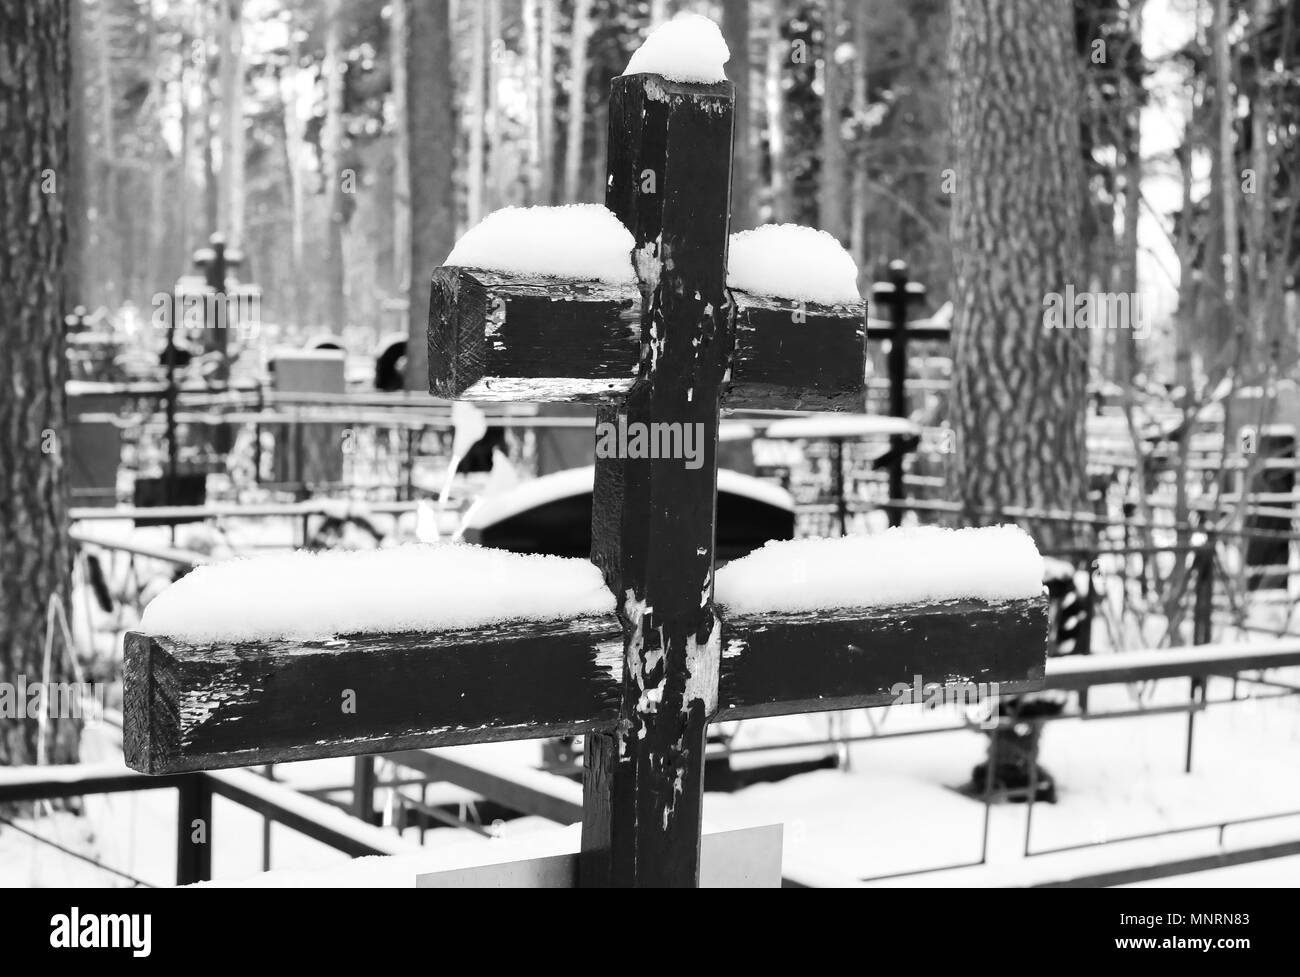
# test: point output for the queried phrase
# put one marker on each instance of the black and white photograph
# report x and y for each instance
(554, 444)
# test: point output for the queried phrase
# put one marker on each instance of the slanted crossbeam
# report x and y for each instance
(643, 684)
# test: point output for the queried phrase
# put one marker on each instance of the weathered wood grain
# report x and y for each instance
(211, 706)
(796, 355)
(777, 664)
(653, 519)
(205, 707)
(508, 338)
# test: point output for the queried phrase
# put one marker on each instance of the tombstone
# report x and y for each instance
(94, 443)
(390, 364)
(308, 452)
(181, 488)
(668, 351)
(552, 514)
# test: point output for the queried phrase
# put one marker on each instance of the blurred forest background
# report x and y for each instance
(287, 126)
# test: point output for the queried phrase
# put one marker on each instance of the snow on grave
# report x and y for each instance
(903, 565)
(688, 48)
(410, 588)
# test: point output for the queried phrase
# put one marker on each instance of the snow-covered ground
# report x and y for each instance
(894, 809)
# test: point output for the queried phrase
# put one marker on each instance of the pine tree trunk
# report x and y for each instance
(533, 121)
(332, 171)
(778, 58)
(735, 29)
(546, 102)
(211, 192)
(577, 100)
(34, 552)
(231, 187)
(401, 153)
(1127, 361)
(105, 232)
(73, 185)
(1225, 113)
(477, 115)
(184, 189)
(293, 153)
(430, 131)
(1019, 389)
(495, 194)
(833, 199)
(861, 191)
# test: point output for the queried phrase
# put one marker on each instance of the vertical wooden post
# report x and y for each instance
(653, 518)
(193, 830)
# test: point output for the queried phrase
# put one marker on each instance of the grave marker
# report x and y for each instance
(642, 685)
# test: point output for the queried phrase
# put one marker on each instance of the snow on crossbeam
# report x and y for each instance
(225, 703)
(577, 242)
(839, 623)
(306, 595)
(800, 322)
(903, 565)
(790, 261)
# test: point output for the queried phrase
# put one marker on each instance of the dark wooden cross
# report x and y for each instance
(642, 685)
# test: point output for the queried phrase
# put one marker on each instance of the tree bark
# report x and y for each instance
(34, 552)
(332, 170)
(735, 29)
(496, 156)
(833, 198)
(430, 124)
(293, 158)
(861, 191)
(1127, 355)
(778, 56)
(401, 152)
(105, 231)
(477, 115)
(546, 102)
(1019, 389)
(577, 100)
(231, 188)
(73, 184)
(1224, 107)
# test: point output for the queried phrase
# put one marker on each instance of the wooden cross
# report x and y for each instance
(642, 685)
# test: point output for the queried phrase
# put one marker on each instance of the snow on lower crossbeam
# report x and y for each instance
(411, 588)
(907, 565)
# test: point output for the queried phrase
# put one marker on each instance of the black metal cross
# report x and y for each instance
(642, 686)
(897, 294)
